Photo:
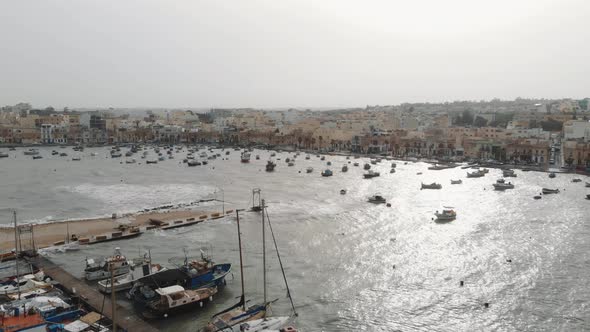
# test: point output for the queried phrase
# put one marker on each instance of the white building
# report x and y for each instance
(47, 133)
(577, 129)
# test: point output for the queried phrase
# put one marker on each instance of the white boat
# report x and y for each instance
(262, 324)
(245, 157)
(550, 191)
(31, 152)
(172, 298)
(456, 181)
(101, 269)
(508, 173)
(476, 174)
(503, 185)
(447, 214)
(27, 283)
(125, 281)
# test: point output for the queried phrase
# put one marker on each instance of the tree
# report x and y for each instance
(467, 117)
(552, 125)
(480, 121)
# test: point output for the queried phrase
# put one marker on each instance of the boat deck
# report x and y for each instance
(126, 319)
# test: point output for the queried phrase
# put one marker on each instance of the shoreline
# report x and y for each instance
(46, 234)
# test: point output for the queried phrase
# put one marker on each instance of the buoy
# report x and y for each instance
(165, 315)
(461, 283)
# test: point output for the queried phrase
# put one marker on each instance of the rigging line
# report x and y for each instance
(274, 240)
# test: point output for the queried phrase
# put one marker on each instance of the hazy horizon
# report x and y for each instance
(290, 54)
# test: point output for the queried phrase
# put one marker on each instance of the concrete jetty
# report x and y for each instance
(126, 319)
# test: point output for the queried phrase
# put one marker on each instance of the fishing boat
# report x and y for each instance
(270, 166)
(63, 154)
(291, 163)
(192, 163)
(307, 157)
(174, 298)
(367, 166)
(447, 214)
(257, 157)
(323, 158)
(355, 164)
(547, 191)
(239, 317)
(552, 175)
(377, 199)
(371, 174)
(576, 180)
(327, 172)
(125, 281)
(329, 163)
(344, 168)
(392, 170)
(476, 174)
(342, 191)
(309, 169)
(502, 185)
(152, 161)
(130, 161)
(587, 184)
(432, 185)
(245, 157)
(31, 152)
(393, 165)
(456, 181)
(508, 173)
(588, 196)
(38, 157)
(97, 269)
(76, 159)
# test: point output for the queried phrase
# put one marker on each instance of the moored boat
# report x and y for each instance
(174, 298)
(377, 199)
(552, 175)
(547, 191)
(327, 172)
(456, 181)
(97, 269)
(309, 169)
(345, 168)
(270, 166)
(245, 157)
(447, 214)
(432, 185)
(371, 174)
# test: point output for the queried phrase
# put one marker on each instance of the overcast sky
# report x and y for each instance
(283, 53)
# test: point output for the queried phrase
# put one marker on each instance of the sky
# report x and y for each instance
(290, 53)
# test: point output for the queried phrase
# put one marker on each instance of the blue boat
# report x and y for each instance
(327, 172)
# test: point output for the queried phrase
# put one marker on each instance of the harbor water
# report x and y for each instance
(351, 265)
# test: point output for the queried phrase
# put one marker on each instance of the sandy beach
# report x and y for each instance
(49, 233)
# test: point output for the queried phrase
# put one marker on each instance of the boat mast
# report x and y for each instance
(263, 252)
(243, 299)
(16, 254)
(113, 298)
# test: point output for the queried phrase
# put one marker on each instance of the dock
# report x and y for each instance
(126, 319)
